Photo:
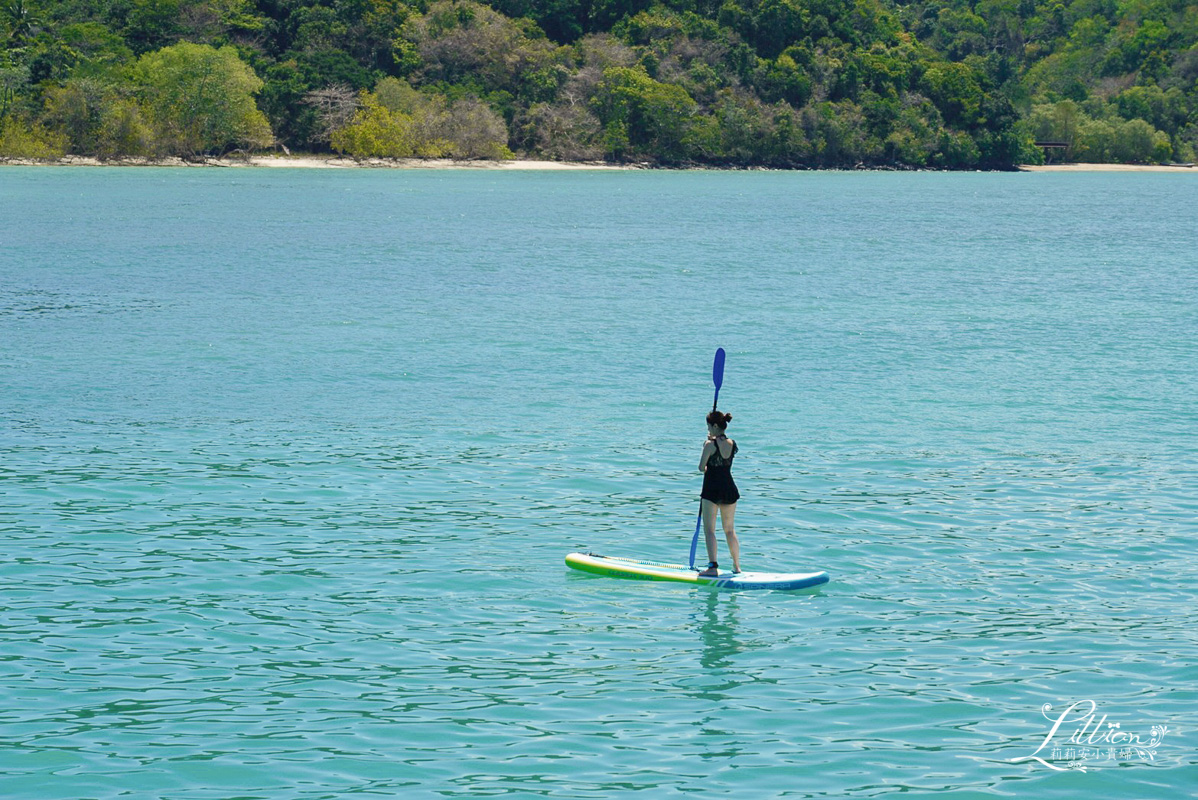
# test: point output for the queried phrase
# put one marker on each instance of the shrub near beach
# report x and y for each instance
(781, 83)
(396, 121)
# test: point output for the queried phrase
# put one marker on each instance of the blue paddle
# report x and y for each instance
(717, 377)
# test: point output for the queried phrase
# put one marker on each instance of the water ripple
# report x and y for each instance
(285, 508)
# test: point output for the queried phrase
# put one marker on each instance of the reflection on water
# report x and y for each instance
(716, 622)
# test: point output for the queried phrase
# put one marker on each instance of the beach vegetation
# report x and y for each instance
(199, 100)
(948, 84)
(26, 140)
(397, 121)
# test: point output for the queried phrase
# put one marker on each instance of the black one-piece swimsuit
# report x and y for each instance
(718, 486)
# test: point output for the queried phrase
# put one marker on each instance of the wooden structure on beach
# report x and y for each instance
(1049, 147)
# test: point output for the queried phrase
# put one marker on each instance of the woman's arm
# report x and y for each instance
(708, 448)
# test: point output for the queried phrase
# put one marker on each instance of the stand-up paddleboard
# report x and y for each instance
(633, 568)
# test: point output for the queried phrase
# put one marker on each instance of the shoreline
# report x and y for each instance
(274, 161)
(317, 162)
(1108, 168)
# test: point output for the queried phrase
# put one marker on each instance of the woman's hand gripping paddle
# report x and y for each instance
(717, 377)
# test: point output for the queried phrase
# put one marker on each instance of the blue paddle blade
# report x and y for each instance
(717, 370)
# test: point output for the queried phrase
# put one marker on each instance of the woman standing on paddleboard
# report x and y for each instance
(719, 490)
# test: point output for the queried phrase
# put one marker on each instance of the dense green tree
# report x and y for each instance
(14, 82)
(98, 48)
(644, 117)
(200, 100)
(152, 24)
(77, 110)
(378, 132)
(98, 119)
(289, 82)
(783, 80)
(1165, 110)
(460, 40)
(956, 90)
(1107, 138)
(20, 19)
(913, 136)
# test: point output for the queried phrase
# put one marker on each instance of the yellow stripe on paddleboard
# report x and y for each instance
(631, 568)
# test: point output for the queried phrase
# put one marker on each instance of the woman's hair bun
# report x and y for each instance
(719, 419)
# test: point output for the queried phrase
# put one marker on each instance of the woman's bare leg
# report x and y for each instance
(709, 509)
(728, 517)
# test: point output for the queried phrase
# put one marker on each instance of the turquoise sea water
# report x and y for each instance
(289, 462)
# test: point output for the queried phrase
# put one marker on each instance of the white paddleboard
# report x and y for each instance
(636, 569)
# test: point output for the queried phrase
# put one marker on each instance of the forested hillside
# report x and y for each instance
(781, 83)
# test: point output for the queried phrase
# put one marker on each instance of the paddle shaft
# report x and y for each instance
(717, 377)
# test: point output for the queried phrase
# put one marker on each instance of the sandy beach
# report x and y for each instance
(320, 162)
(332, 162)
(1110, 168)
(340, 162)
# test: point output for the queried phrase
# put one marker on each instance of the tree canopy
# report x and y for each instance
(957, 84)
